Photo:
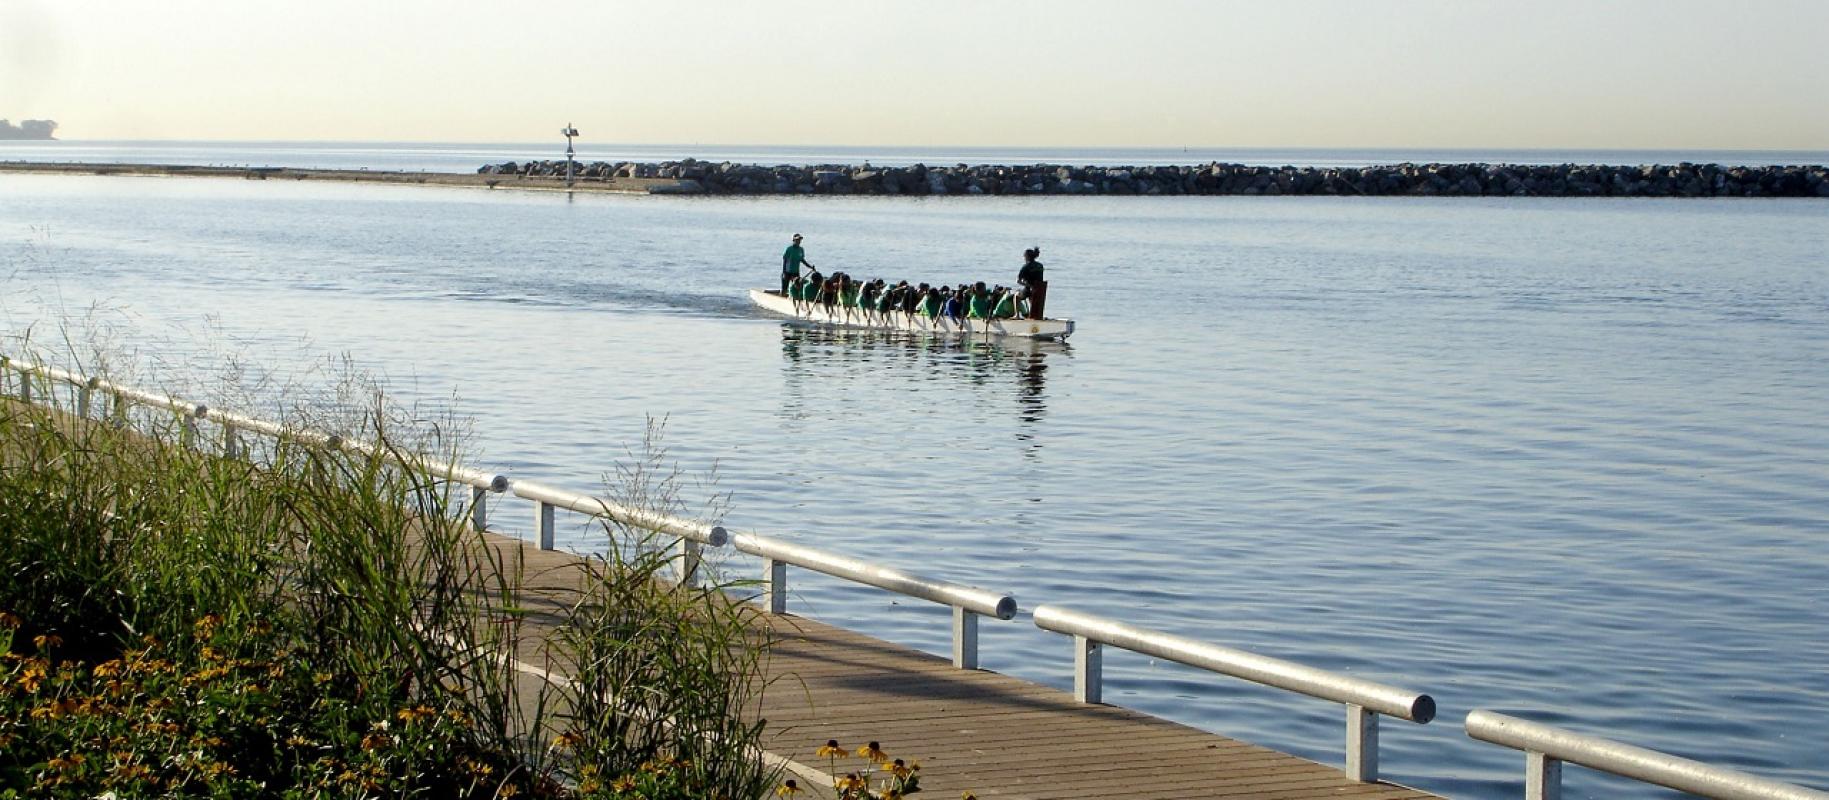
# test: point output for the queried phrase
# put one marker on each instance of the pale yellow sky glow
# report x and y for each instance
(1638, 74)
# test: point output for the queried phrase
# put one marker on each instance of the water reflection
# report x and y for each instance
(992, 370)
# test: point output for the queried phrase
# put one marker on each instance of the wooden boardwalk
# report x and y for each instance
(972, 730)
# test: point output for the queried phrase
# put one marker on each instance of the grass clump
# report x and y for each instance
(310, 622)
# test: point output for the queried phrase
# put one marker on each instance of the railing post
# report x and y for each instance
(83, 397)
(1087, 669)
(775, 584)
(25, 388)
(1361, 744)
(1542, 777)
(117, 408)
(965, 638)
(543, 522)
(231, 443)
(187, 432)
(689, 563)
(479, 508)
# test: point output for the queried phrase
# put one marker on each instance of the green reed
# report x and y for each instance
(327, 620)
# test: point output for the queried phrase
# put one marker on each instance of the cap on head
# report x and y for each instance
(796, 237)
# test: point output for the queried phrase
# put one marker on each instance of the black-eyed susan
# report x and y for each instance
(899, 768)
(831, 750)
(850, 783)
(872, 752)
(968, 796)
(788, 789)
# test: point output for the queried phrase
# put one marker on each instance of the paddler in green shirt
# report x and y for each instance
(980, 302)
(791, 261)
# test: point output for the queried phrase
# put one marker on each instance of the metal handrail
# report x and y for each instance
(233, 423)
(693, 535)
(1546, 747)
(701, 532)
(968, 602)
(1364, 699)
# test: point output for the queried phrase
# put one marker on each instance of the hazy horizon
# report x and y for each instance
(1325, 74)
(585, 142)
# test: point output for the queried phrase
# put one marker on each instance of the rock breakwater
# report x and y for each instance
(1426, 180)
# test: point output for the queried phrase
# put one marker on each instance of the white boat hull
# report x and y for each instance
(816, 314)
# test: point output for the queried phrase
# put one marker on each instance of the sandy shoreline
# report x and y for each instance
(534, 183)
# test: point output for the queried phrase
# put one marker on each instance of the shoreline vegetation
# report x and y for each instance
(183, 617)
(694, 177)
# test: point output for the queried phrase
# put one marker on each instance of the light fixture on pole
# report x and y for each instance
(570, 164)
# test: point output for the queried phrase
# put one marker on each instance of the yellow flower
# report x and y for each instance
(375, 741)
(296, 740)
(873, 753)
(788, 789)
(43, 641)
(625, 783)
(900, 769)
(415, 714)
(968, 796)
(850, 783)
(832, 750)
(508, 790)
(10, 622)
(132, 772)
(567, 740)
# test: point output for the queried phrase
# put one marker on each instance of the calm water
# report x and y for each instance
(1564, 458)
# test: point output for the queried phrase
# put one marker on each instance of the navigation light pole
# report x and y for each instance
(570, 164)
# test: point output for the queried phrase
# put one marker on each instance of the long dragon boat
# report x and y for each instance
(844, 317)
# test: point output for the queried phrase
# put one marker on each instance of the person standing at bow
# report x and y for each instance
(1034, 287)
(791, 260)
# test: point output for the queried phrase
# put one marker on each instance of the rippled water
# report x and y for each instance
(1557, 457)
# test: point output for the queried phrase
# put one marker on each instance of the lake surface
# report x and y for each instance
(1557, 457)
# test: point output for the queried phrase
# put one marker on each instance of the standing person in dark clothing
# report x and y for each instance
(791, 260)
(1034, 287)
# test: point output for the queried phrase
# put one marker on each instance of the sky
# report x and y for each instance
(1627, 74)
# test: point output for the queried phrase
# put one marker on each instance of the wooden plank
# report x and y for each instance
(994, 735)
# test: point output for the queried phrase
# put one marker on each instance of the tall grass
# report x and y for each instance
(669, 672)
(361, 586)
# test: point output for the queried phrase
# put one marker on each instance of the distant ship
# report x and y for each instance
(32, 129)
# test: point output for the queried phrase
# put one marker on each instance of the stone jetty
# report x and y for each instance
(1418, 180)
